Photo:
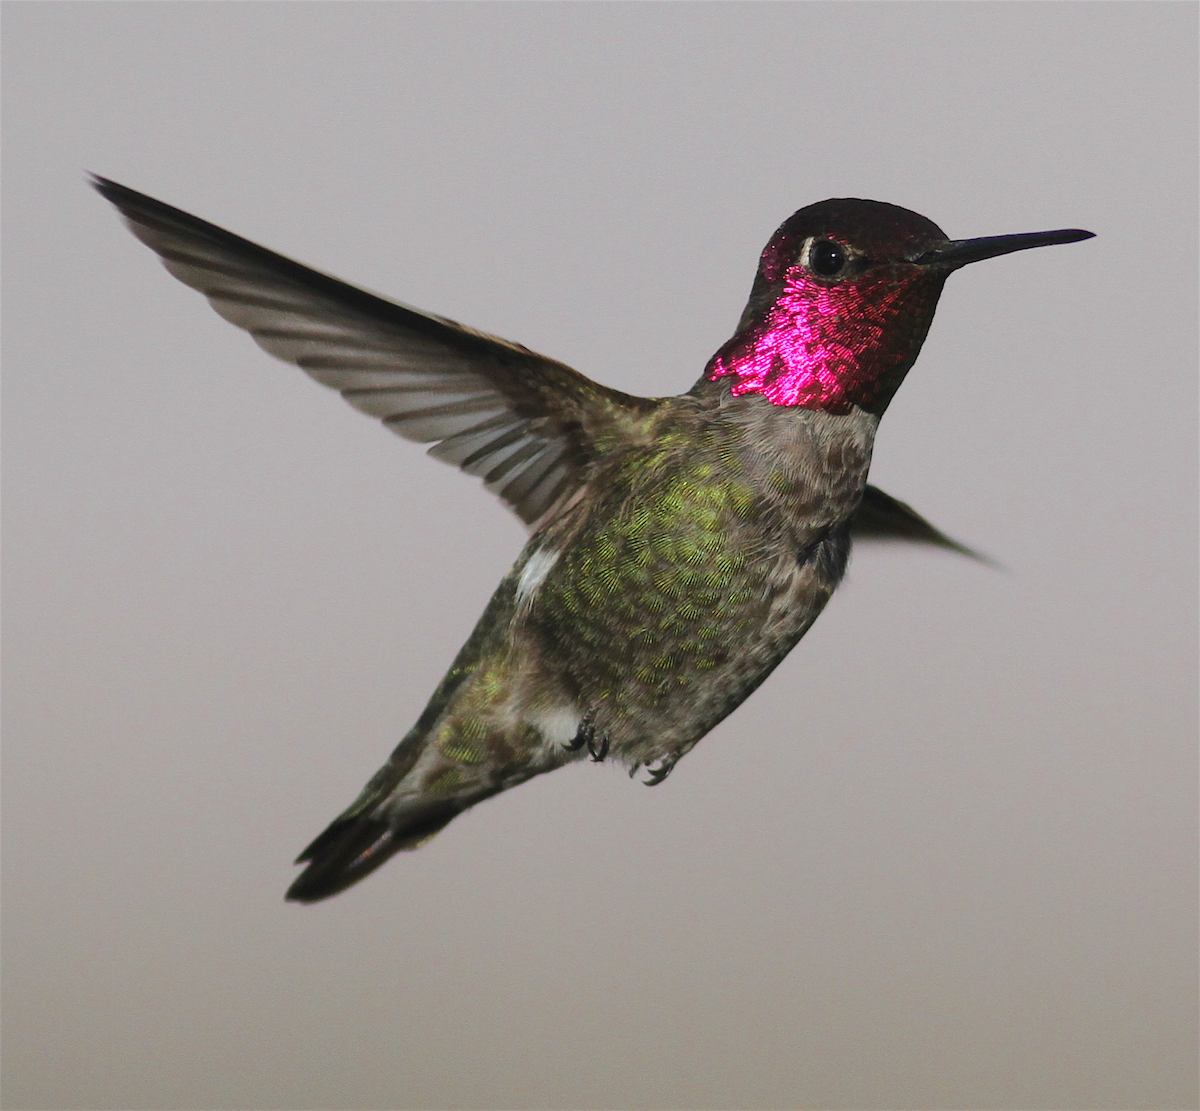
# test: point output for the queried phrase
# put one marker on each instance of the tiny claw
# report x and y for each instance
(584, 736)
(634, 770)
(598, 751)
(657, 775)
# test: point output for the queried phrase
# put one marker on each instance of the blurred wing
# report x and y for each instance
(527, 425)
(882, 517)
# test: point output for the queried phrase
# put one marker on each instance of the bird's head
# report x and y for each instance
(843, 298)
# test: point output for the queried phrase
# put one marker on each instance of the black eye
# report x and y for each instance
(826, 258)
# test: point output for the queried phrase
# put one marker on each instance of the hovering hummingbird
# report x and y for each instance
(679, 546)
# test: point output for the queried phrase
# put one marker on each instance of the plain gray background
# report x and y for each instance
(945, 857)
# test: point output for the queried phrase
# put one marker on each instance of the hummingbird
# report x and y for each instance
(679, 547)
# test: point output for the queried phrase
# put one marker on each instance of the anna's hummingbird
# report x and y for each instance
(679, 546)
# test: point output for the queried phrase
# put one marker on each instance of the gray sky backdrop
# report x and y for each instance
(945, 857)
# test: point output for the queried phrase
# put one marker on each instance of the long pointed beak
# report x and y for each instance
(958, 252)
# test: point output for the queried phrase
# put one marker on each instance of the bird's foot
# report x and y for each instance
(659, 772)
(584, 735)
(597, 746)
(577, 743)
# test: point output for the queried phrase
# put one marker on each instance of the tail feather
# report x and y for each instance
(353, 847)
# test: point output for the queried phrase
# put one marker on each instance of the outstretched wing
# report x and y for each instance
(527, 425)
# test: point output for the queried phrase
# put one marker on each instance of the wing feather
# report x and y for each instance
(882, 517)
(530, 427)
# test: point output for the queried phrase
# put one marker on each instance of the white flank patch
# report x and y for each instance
(558, 725)
(534, 573)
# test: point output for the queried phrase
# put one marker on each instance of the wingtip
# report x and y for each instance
(979, 557)
(135, 207)
(882, 517)
(106, 187)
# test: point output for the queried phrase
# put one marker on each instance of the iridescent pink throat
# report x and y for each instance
(825, 347)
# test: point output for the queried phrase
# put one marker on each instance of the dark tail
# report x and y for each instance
(370, 830)
(356, 844)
